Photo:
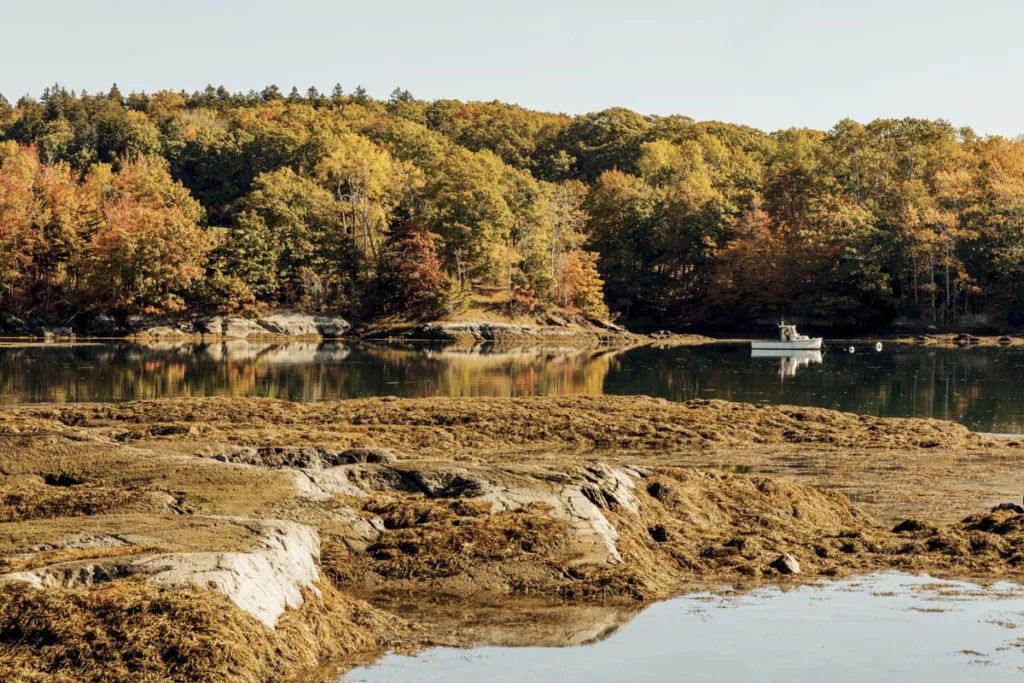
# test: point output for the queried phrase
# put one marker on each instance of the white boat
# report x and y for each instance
(789, 340)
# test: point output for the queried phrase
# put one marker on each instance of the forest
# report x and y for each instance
(171, 202)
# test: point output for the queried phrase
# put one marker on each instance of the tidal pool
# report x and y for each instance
(883, 627)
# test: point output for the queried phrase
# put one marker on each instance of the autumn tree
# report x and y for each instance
(19, 234)
(292, 240)
(150, 246)
(582, 284)
(412, 279)
(46, 219)
(368, 184)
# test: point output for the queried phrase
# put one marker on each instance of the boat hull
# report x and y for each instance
(797, 345)
(789, 354)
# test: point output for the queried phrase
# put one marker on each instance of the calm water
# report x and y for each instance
(979, 387)
(887, 627)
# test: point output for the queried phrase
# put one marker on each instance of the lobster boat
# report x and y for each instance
(789, 340)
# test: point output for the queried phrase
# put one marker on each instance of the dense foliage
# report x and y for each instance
(169, 201)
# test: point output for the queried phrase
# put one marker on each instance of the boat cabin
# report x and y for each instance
(788, 333)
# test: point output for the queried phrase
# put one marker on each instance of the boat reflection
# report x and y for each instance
(789, 361)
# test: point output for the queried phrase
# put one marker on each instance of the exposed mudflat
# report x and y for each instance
(253, 540)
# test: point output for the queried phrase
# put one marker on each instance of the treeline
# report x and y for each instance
(341, 202)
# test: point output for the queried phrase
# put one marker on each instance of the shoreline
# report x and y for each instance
(521, 337)
(551, 330)
(304, 328)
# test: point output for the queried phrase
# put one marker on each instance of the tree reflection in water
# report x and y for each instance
(58, 373)
(977, 387)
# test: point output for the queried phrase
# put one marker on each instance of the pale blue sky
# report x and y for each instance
(766, 64)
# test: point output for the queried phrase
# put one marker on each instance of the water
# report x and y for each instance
(977, 387)
(886, 627)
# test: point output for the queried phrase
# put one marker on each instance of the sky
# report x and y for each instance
(766, 64)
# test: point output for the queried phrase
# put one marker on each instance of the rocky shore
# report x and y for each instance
(254, 540)
(549, 332)
(559, 334)
(279, 324)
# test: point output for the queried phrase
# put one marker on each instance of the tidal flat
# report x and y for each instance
(233, 539)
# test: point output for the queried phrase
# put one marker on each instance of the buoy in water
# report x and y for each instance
(878, 346)
(851, 349)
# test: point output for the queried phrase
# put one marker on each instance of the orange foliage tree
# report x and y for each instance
(582, 284)
(150, 247)
(19, 208)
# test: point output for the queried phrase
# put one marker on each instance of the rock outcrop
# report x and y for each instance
(305, 457)
(549, 332)
(263, 581)
(104, 325)
(489, 332)
(283, 323)
(577, 501)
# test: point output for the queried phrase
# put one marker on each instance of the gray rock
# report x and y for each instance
(354, 531)
(329, 326)
(304, 457)
(162, 331)
(102, 325)
(604, 324)
(157, 326)
(353, 456)
(589, 536)
(12, 324)
(786, 564)
(285, 323)
(139, 322)
(213, 325)
(491, 331)
(264, 581)
(447, 482)
(291, 324)
(608, 487)
(51, 331)
(240, 328)
(555, 320)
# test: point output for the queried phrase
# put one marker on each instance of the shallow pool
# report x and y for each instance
(885, 627)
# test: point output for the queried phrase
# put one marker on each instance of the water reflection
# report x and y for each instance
(789, 361)
(977, 387)
(886, 627)
(294, 371)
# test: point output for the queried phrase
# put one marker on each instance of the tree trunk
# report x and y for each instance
(931, 271)
(917, 296)
(948, 299)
